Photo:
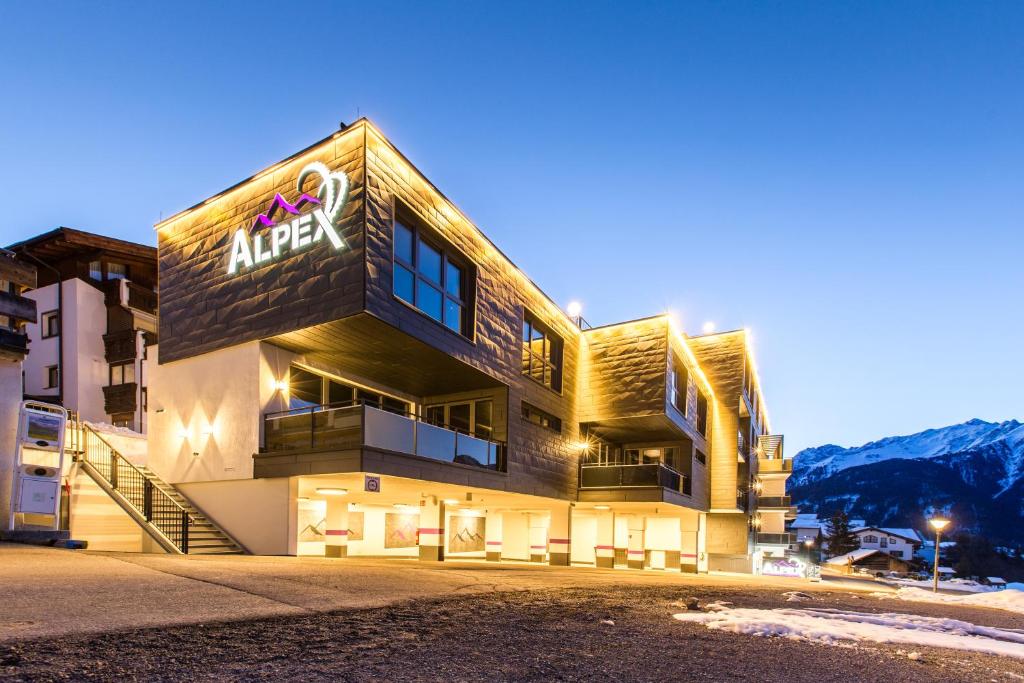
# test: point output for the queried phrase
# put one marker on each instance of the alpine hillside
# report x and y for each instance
(973, 472)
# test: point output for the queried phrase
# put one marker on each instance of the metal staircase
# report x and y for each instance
(155, 505)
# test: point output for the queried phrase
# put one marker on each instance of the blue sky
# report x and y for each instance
(842, 178)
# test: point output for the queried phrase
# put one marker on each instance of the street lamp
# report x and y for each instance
(938, 523)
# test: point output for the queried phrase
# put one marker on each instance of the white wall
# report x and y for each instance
(82, 330)
(213, 405)
(261, 514)
(10, 391)
(584, 538)
(905, 548)
(515, 536)
(373, 533)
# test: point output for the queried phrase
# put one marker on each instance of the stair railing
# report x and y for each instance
(134, 487)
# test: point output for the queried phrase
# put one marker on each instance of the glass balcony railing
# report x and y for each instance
(774, 502)
(776, 539)
(355, 425)
(594, 476)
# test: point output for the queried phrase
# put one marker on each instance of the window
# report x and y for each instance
(893, 541)
(307, 389)
(702, 413)
(96, 270)
(678, 381)
(701, 458)
(117, 271)
(667, 455)
(885, 542)
(469, 417)
(542, 353)
(871, 538)
(123, 420)
(122, 373)
(430, 278)
(52, 377)
(145, 399)
(541, 418)
(49, 324)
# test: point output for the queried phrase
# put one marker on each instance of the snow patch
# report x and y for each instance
(1010, 599)
(844, 628)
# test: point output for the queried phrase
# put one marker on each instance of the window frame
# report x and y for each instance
(450, 256)
(679, 374)
(703, 415)
(120, 366)
(52, 377)
(545, 360)
(44, 329)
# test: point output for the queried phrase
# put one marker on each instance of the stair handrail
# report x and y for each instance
(150, 488)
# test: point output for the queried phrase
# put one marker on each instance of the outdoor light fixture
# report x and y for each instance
(303, 499)
(281, 385)
(331, 491)
(708, 327)
(574, 309)
(404, 506)
(450, 501)
(937, 523)
(602, 507)
(183, 433)
(208, 431)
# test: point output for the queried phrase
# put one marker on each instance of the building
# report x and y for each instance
(901, 543)
(17, 311)
(348, 366)
(871, 560)
(747, 470)
(89, 344)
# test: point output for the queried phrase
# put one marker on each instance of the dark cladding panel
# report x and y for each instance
(204, 307)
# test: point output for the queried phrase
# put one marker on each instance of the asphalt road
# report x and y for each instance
(87, 616)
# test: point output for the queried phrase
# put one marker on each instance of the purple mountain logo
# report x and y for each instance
(280, 203)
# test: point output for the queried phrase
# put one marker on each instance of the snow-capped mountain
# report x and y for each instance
(973, 471)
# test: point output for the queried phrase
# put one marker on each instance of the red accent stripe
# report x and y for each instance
(604, 547)
(431, 531)
(538, 547)
(337, 532)
(636, 552)
(493, 542)
(687, 554)
(561, 541)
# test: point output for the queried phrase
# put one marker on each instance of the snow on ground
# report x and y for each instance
(128, 443)
(1010, 599)
(951, 584)
(846, 628)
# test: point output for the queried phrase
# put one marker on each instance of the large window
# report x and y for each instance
(430, 278)
(678, 381)
(542, 353)
(469, 417)
(702, 413)
(52, 376)
(307, 389)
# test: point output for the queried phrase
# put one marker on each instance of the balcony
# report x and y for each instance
(16, 342)
(780, 502)
(775, 539)
(119, 346)
(774, 466)
(18, 308)
(130, 295)
(619, 476)
(353, 425)
(120, 398)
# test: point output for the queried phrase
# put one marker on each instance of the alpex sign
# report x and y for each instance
(257, 245)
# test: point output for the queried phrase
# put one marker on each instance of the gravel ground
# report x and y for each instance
(554, 634)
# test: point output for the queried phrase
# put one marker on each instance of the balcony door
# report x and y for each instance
(467, 417)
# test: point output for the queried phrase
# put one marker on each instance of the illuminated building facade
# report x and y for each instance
(349, 366)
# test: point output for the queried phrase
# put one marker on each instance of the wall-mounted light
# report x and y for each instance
(303, 499)
(208, 431)
(331, 491)
(708, 327)
(183, 433)
(281, 385)
(574, 309)
(407, 508)
(602, 507)
(451, 501)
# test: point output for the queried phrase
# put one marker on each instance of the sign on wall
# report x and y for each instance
(269, 239)
(783, 566)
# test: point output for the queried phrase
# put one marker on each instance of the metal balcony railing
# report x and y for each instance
(776, 539)
(774, 502)
(354, 424)
(599, 476)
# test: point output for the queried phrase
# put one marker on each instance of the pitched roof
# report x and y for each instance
(855, 555)
(908, 534)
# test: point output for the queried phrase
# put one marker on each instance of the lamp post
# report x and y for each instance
(938, 523)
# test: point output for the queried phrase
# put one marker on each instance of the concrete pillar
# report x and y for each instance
(636, 557)
(538, 537)
(560, 536)
(604, 551)
(432, 530)
(492, 535)
(702, 543)
(621, 540)
(336, 533)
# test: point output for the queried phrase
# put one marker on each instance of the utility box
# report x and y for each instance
(38, 466)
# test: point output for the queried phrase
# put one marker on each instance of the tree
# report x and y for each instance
(838, 536)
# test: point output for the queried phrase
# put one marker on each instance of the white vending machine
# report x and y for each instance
(38, 465)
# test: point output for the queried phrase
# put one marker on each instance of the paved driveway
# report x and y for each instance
(50, 592)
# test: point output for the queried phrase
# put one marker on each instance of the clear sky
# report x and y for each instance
(845, 179)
